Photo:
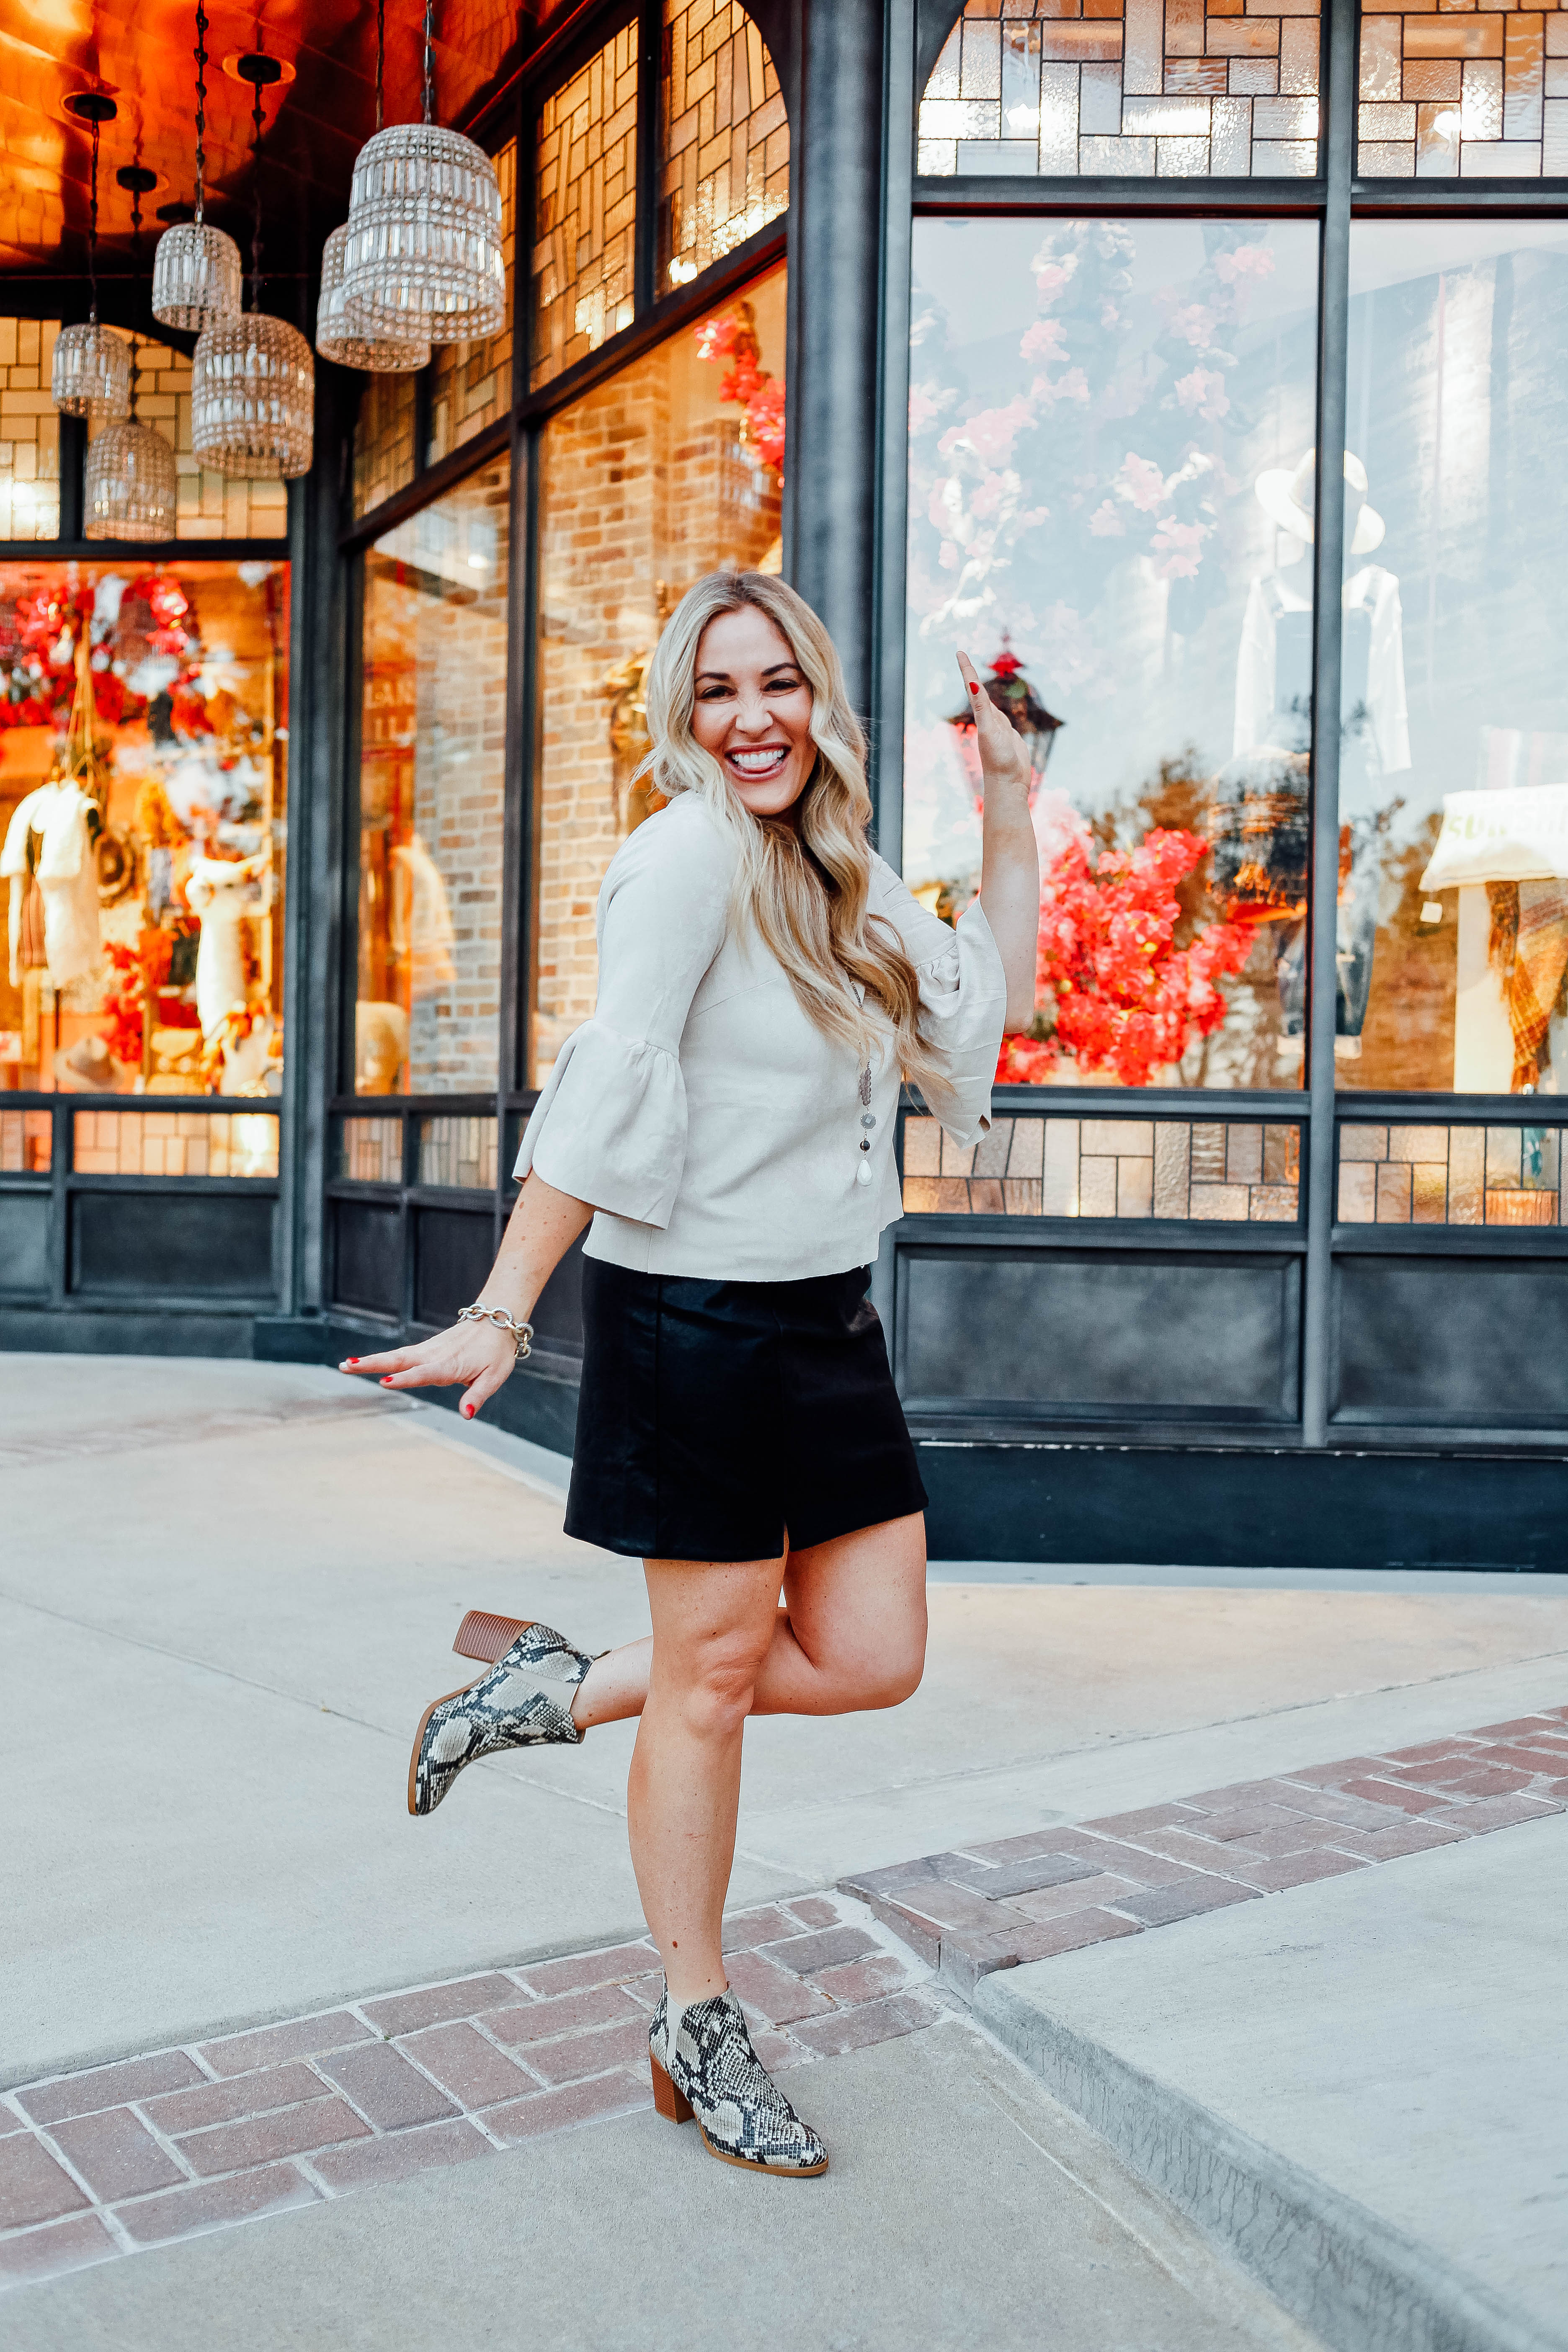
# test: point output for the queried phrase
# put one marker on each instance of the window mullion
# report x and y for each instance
(1334, 327)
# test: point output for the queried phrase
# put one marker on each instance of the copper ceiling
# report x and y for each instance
(140, 52)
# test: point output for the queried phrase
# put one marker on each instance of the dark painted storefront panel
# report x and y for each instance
(1099, 1334)
(24, 1244)
(453, 1252)
(1242, 1509)
(1453, 1341)
(186, 1244)
(368, 1257)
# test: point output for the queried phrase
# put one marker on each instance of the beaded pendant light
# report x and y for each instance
(421, 255)
(129, 487)
(252, 380)
(91, 372)
(335, 339)
(196, 270)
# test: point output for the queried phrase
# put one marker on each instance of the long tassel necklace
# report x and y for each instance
(868, 1121)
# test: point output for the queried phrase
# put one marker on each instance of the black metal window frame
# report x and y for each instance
(656, 317)
(1332, 199)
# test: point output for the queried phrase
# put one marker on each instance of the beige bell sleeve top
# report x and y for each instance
(701, 1112)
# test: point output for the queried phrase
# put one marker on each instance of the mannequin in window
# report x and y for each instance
(48, 852)
(223, 893)
(1273, 741)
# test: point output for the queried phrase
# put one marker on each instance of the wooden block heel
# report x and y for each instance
(489, 1638)
(672, 2104)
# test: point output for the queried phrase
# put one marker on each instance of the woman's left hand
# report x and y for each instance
(1009, 856)
(1003, 757)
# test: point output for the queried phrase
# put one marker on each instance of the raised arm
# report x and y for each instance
(478, 1356)
(1010, 856)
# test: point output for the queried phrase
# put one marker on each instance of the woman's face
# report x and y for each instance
(752, 710)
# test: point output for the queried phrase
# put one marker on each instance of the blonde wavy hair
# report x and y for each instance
(803, 877)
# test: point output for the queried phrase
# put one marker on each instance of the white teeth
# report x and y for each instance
(755, 763)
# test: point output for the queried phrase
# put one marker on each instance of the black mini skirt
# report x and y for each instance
(721, 1420)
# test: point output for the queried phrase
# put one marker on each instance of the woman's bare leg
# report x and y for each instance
(852, 1633)
(713, 1624)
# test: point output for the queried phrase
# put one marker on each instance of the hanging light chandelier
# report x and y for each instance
(252, 380)
(128, 487)
(196, 270)
(422, 254)
(335, 339)
(90, 375)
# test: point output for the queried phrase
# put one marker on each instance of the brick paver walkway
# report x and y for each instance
(123, 2157)
(1027, 1898)
(182, 2140)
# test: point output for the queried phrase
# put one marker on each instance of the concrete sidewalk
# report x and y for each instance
(229, 1589)
(963, 2207)
(1359, 2087)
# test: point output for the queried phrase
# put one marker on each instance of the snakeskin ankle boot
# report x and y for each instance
(524, 1701)
(714, 2073)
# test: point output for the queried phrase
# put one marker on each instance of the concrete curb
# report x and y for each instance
(1359, 2283)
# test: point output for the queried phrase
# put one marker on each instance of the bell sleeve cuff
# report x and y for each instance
(963, 1006)
(610, 1126)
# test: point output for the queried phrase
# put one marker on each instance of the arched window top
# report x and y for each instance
(1126, 89)
(724, 137)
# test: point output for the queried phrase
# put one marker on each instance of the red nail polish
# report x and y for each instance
(468, 1413)
(973, 690)
(386, 1379)
(353, 1359)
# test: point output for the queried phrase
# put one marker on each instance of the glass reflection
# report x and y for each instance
(432, 790)
(1106, 421)
(671, 469)
(1453, 930)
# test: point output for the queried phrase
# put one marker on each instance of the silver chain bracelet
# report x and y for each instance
(523, 1333)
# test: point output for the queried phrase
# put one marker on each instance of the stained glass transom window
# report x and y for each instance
(383, 440)
(724, 153)
(471, 383)
(1452, 1176)
(1203, 1171)
(586, 209)
(1167, 88)
(1466, 95)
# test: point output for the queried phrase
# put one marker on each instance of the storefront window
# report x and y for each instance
(432, 777)
(586, 209)
(144, 745)
(724, 138)
(1157, 89)
(669, 470)
(29, 431)
(1453, 915)
(471, 382)
(1106, 418)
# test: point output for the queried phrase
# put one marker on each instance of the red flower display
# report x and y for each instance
(1125, 997)
(38, 648)
(733, 337)
(135, 971)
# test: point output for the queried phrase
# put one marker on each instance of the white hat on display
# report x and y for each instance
(1289, 497)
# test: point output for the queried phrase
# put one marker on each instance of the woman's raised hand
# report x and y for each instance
(476, 1356)
(1004, 759)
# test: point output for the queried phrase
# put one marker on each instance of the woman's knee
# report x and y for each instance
(893, 1680)
(713, 1680)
